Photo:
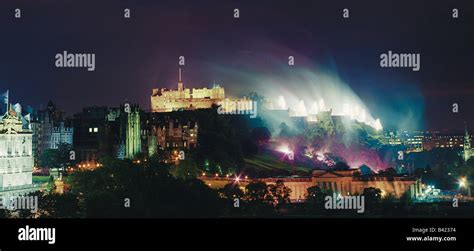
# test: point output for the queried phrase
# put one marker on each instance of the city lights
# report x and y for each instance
(463, 182)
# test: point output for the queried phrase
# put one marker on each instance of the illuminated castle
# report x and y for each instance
(164, 100)
(319, 111)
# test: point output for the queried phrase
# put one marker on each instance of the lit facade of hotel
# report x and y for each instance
(16, 152)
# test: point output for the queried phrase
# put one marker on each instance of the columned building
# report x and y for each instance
(343, 183)
(16, 153)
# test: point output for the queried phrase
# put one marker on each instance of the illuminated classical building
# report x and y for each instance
(346, 183)
(340, 182)
(16, 153)
(164, 100)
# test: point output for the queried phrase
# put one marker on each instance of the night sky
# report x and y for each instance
(138, 54)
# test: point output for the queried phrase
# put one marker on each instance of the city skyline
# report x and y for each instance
(145, 50)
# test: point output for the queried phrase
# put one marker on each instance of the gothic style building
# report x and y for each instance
(50, 129)
(468, 151)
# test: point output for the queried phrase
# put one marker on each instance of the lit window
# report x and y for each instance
(90, 129)
(96, 129)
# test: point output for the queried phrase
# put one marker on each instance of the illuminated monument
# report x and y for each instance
(468, 152)
(164, 100)
(16, 153)
(132, 130)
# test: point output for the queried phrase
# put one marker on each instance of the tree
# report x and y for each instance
(389, 173)
(3, 214)
(372, 197)
(187, 168)
(315, 198)
(280, 193)
(53, 205)
(341, 166)
(49, 158)
(406, 200)
(123, 189)
(231, 191)
(59, 158)
(51, 185)
(365, 170)
(259, 200)
(257, 191)
(221, 138)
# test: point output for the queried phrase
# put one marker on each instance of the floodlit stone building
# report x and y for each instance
(468, 151)
(164, 100)
(16, 153)
(340, 182)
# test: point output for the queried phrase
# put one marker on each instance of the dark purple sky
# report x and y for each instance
(135, 55)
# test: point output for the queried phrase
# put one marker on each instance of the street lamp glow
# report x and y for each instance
(462, 182)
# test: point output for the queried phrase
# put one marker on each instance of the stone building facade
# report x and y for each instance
(340, 182)
(16, 154)
(164, 100)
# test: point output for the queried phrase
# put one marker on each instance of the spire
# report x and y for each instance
(465, 129)
(467, 137)
(180, 83)
(10, 111)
